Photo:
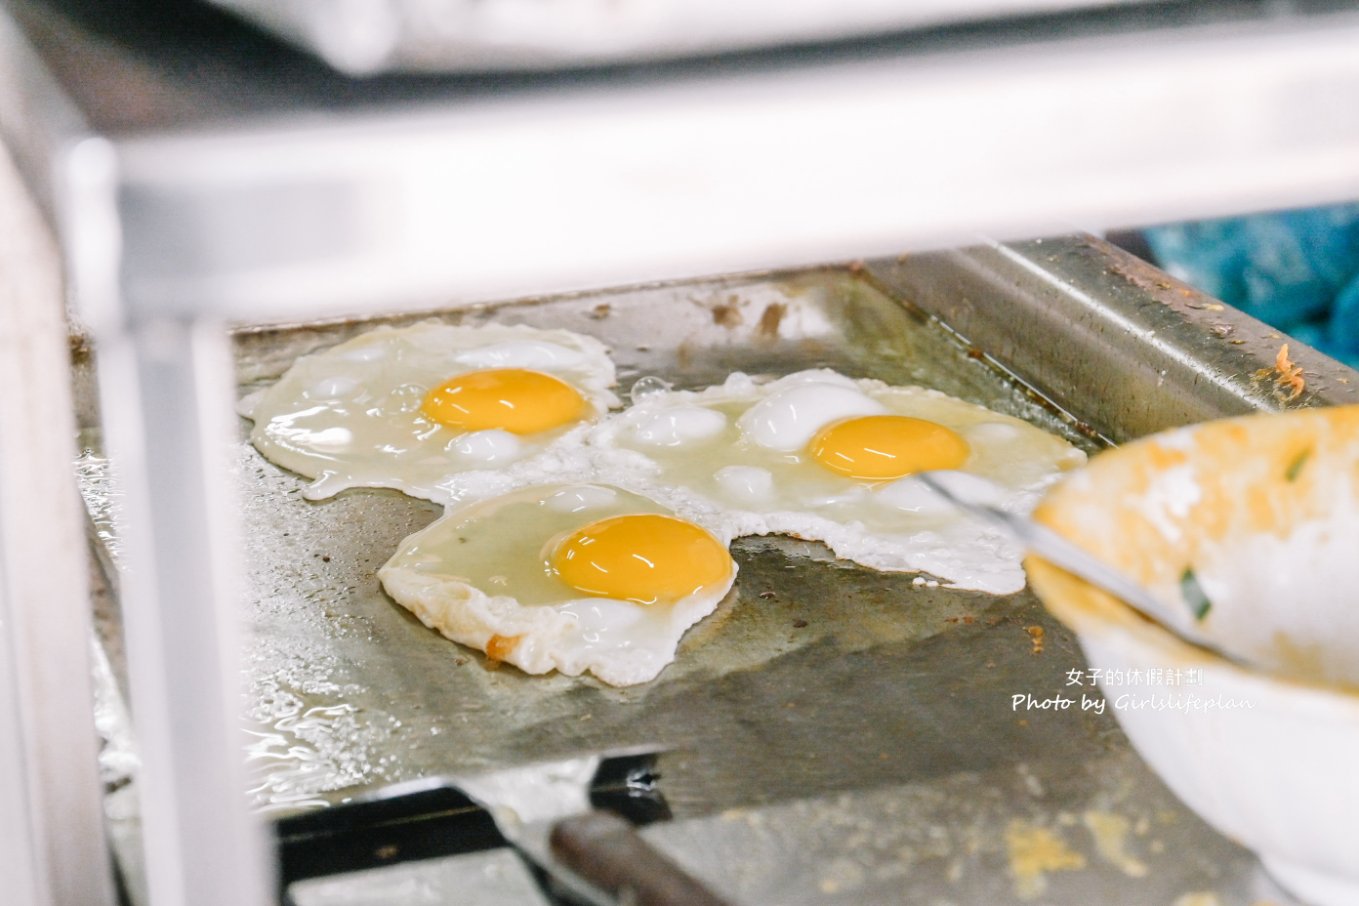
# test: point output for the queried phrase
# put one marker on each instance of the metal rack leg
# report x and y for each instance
(52, 843)
(166, 407)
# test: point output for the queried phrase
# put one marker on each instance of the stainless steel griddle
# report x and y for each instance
(832, 734)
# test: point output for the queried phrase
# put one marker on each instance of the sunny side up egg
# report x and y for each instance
(824, 457)
(434, 409)
(576, 578)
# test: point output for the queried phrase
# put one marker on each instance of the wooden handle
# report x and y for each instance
(608, 852)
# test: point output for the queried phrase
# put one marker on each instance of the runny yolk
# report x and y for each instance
(880, 447)
(511, 399)
(646, 558)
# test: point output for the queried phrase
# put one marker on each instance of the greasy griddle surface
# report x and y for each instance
(813, 676)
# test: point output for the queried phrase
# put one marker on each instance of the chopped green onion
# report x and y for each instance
(1193, 593)
(1295, 467)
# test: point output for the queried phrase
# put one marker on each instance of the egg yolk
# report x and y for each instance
(645, 558)
(511, 399)
(879, 447)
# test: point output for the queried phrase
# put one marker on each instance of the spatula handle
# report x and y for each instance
(607, 851)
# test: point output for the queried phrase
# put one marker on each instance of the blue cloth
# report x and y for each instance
(1343, 327)
(1295, 270)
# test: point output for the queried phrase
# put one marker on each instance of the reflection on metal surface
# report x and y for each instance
(494, 878)
(103, 504)
(288, 757)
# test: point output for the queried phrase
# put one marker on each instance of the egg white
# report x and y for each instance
(477, 574)
(350, 416)
(733, 455)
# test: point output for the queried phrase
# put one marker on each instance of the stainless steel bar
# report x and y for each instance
(166, 404)
(291, 196)
(451, 36)
(615, 184)
(52, 843)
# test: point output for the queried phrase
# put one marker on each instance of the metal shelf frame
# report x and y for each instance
(197, 175)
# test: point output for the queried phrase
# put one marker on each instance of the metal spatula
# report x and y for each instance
(1067, 556)
(544, 811)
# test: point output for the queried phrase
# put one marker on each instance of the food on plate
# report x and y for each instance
(425, 409)
(571, 577)
(825, 457)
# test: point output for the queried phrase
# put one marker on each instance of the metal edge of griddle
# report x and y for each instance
(436, 818)
(1139, 351)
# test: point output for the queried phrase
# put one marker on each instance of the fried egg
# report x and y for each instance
(433, 409)
(574, 578)
(824, 457)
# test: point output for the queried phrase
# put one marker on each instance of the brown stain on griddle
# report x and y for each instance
(770, 320)
(728, 314)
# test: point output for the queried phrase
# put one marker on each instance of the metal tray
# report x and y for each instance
(850, 734)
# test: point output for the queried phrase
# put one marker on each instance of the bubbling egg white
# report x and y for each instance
(434, 410)
(828, 458)
(574, 578)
